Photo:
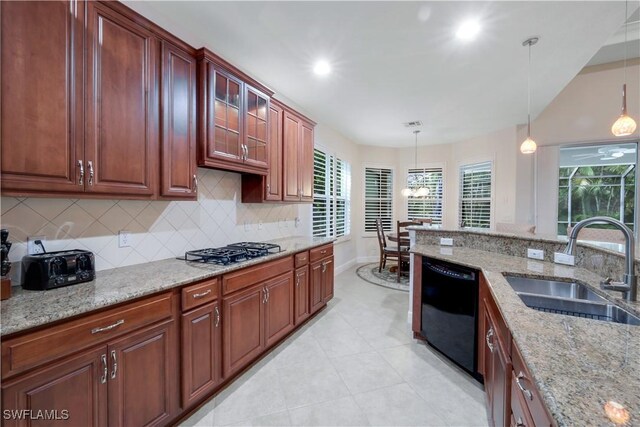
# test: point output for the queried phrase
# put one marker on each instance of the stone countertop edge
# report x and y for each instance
(577, 364)
(29, 309)
(532, 238)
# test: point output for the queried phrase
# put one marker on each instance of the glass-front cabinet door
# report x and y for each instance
(226, 140)
(257, 127)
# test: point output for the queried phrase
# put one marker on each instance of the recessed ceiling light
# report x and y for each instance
(468, 30)
(322, 68)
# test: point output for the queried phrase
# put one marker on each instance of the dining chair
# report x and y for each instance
(385, 251)
(403, 254)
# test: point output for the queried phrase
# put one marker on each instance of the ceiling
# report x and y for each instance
(395, 62)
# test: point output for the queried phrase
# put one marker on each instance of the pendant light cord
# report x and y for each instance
(626, 11)
(529, 95)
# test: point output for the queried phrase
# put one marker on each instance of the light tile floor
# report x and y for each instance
(354, 364)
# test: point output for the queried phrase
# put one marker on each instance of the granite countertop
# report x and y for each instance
(27, 309)
(578, 364)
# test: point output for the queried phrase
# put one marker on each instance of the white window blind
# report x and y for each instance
(331, 195)
(475, 195)
(429, 206)
(378, 199)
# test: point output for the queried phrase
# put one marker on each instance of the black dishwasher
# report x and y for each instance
(450, 311)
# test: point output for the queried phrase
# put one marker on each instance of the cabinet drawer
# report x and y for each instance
(199, 294)
(251, 275)
(322, 252)
(27, 351)
(302, 259)
(530, 395)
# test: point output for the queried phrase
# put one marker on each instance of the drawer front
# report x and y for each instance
(199, 294)
(302, 259)
(251, 275)
(530, 395)
(27, 351)
(322, 252)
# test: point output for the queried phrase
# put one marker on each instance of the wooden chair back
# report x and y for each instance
(382, 241)
(423, 221)
(402, 233)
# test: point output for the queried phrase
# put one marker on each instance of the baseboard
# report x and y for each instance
(366, 259)
(344, 267)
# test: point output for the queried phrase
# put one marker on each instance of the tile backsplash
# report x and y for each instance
(159, 229)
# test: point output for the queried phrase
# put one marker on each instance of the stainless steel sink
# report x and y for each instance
(553, 288)
(580, 308)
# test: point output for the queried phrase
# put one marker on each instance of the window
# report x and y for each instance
(378, 198)
(475, 195)
(431, 205)
(331, 195)
(597, 180)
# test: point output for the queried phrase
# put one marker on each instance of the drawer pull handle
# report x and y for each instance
(521, 387)
(114, 363)
(323, 252)
(105, 370)
(217, 317)
(107, 328)
(488, 339)
(202, 294)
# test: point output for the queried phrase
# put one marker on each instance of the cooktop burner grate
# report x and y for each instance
(232, 254)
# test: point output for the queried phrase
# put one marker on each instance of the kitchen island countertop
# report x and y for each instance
(578, 364)
(28, 309)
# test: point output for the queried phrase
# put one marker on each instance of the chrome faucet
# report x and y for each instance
(629, 284)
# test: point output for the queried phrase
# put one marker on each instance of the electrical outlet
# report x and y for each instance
(124, 239)
(445, 241)
(562, 258)
(33, 247)
(446, 251)
(535, 253)
(260, 224)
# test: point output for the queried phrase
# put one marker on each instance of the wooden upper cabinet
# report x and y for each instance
(297, 158)
(178, 174)
(121, 147)
(41, 111)
(256, 126)
(233, 117)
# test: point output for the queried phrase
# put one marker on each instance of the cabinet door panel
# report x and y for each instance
(273, 190)
(256, 125)
(327, 280)
(121, 104)
(178, 168)
(41, 106)
(291, 138)
(302, 294)
(243, 332)
(315, 287)
(305, 168)
(278, 320)
(143, 377)
(201, 352)
(73, 385)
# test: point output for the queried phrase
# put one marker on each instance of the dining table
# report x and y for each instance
(402, 241)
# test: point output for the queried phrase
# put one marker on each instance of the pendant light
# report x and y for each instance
(415, 180)
(529, 145)
(625, 125)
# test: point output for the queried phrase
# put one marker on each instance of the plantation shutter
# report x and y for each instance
(475, 195)
(331, 196)
(431, 205)
(378, 201)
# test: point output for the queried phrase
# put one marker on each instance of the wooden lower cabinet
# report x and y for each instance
(301, 293)
(497, 374)
(131, 381)
(201, 352)
(75, 388)
(278, 315)
(143, 377)
(321, 283)
(243, 334)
